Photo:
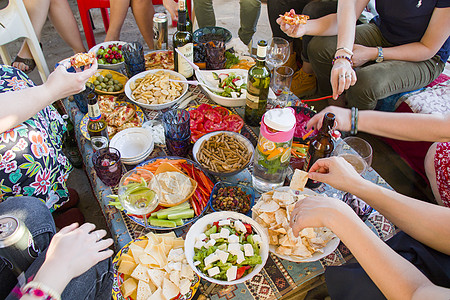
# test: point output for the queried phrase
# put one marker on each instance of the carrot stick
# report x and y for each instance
(307, 134)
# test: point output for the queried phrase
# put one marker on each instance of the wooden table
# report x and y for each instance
(279, 278)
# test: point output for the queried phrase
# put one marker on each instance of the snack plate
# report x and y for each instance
(115, 75)
(140, 220)
(85, 120)
(151, 67)
(327, 250)
(118, 278)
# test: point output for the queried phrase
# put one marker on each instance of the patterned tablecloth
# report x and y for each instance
(279, 277)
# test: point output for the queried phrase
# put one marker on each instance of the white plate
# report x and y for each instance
(155, 106)
(200, 227)
(224, 101)
(115, 67)
(132, 142)
(327, 250)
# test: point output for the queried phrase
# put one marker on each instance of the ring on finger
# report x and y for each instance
(348, 76)
(341, 76)
(97, 236)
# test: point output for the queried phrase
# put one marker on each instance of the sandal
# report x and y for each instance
(29, 62)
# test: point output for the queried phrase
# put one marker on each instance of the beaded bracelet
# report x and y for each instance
(349, 59)
(40, 291)
(350, 52)
(354, 126)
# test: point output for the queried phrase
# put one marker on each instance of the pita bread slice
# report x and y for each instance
(136, 251)
(174, 276)
(185, 286)
(148, 260)
(157, 277)
(143, 291)
(157, 295)
(169, 289)
(299, 180)
(141, 273)
(269, 207)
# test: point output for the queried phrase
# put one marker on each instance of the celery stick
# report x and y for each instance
(163, 213)
(184, 214)
(179, 222)
(162, 223)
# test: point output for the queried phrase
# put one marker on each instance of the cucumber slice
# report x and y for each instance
(184, 214)
(162, 223)
(163, 213)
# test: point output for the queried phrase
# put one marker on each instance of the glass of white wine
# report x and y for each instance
(138, 193)
(278, 52)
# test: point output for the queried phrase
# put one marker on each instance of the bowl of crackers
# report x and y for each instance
(154, 89)
(223, 153)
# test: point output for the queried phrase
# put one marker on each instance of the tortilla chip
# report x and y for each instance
(269, 207)
(157, 295)
(283, 198)
(299, 180)
(308, 233)
(267, 218)
(140, 273)
(185, 286)
(156, 276)
(128, 287)
(169, 289)
(283, 250)
(143, 291)
(280, 216)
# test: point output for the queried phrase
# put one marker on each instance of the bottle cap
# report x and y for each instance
(280, 119)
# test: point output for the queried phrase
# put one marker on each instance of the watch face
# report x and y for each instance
(379, 59)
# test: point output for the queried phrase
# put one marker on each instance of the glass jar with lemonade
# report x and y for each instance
(273, 151)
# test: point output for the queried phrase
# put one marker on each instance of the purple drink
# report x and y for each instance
(108, 166)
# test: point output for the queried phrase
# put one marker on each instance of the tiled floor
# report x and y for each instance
(385, 161)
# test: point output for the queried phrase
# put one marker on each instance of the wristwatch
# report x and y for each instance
(380, 56)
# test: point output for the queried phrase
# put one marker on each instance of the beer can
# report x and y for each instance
(160, 31)
(17, 246)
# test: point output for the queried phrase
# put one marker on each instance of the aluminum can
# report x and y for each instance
(160, 31)
(17, 246)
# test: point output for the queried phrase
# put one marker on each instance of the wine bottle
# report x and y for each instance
(320, 147)
(188, 20)
(257, 87)
(182, 40)
(97, 127)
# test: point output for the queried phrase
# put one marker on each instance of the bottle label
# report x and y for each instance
(252, 101)
(307, 160)
(99, 142)
(94, 112)
(184, 68)
(261, 52)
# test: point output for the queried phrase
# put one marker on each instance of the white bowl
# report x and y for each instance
(238, 136)
(224, 101)
(200, 227)
(134, 144)
(114, 67)
(155, 106)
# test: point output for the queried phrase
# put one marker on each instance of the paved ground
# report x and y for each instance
(385, 161)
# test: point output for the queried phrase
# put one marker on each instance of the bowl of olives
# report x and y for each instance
(108, 82)
(109, 55)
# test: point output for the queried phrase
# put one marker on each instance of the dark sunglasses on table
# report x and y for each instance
(361, 208)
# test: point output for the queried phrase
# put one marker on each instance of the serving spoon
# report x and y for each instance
(195, 82)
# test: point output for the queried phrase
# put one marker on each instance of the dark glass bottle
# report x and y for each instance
(70, 147)
(257, 87)
(320, 147)
(97, 127)
(182, 40)
(189, 24)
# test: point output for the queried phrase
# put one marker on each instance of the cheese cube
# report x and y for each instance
(210, 243)
(232, 273)
(224, 233)
(240, 257)
(199, 244)
(213, 271)
(234, 248)
(201, 237)
(214, 236)
(224, 222)
(223, 256)
(248, 249)
(197, 262)
(233, 239)
(239, 226)
(211, 259)
(257, 239)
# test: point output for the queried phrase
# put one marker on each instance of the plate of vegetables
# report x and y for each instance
(226, 247)
(234, 83)
(109, 55)
(165, 218)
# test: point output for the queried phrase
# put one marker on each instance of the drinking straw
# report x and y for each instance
(317, 99)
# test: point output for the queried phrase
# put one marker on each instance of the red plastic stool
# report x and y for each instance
(85, 5)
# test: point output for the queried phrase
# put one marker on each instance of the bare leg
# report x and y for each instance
(118, 12)
(431, 173)
(143, 12)
(37, 11)
(62, 18)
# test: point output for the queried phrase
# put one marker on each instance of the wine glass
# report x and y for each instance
(359, 154)
(277, 53)
(139, 193)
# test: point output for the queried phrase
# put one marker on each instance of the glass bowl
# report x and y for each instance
(248, 190)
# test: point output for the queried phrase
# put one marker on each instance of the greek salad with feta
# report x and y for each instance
(228, 250)
(234, 85)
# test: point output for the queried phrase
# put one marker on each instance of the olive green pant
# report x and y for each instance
(375, 81)
(249, 14)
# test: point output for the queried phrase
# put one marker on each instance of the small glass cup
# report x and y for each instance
(133, 54)
(282, 85)
(177, 131)
(81, 97)
(357, 152)
(215, 55)
(107, 165)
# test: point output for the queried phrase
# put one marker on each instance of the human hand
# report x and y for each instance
(75, 249)
(363, 54)
(337, 172)
(342, 121)
(295, 31)
(316, 211)
(61, 84)
(172, 8)
(342, 77)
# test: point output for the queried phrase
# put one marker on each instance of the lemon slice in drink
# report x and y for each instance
(265, 146)
(286, 155)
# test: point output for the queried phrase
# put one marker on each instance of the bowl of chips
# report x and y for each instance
(273, 212)
(153, 90)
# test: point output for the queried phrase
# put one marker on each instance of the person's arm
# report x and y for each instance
(72, 251)
(427, 223)
(394, 276)
(324, 26)
(400, 126)
(60, 84)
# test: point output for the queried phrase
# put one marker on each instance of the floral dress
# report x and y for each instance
(31, 159)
